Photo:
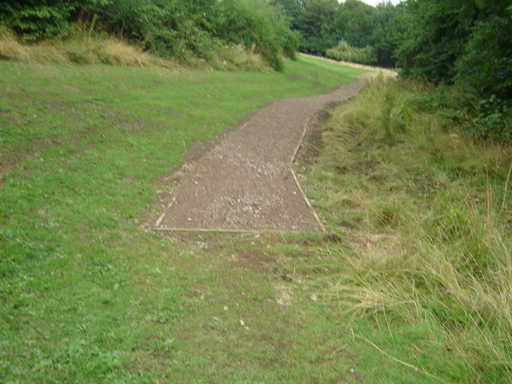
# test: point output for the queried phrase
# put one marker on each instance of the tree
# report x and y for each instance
(436, 36)
(317, 25)
(355, 21)
(293, 9)
(387, 32)
(486, 63)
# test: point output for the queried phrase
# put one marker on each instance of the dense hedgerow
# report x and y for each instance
(184, 30)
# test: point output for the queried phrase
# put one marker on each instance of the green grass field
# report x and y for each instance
(86, 296)
(410, 284)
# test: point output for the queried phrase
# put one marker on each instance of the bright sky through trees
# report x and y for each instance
(375, 2)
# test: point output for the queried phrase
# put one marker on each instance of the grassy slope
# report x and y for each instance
(85, 295)
(428, 217)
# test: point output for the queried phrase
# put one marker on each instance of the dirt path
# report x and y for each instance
(372, 70)
(245, 181)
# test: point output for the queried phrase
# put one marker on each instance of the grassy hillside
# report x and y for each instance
(86, 296)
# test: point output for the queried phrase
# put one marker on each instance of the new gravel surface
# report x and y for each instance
(245, 180)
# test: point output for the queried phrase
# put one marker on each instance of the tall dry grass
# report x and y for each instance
(429, 218)
(82, 48)
(79, 49)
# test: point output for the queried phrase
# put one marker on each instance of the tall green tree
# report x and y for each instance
(355, 21)
(464, 41)
(437, 33)
(387, 32)
(317, 25)
(293, 9)
(486, 63)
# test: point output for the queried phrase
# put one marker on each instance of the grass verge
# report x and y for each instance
(426, 214)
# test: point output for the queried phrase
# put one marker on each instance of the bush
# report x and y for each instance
(487, 61)
(186, 30)
(493, 119)
(36, 20)
(344, 52)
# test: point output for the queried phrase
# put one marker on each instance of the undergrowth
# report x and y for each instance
(427, 212)
(345, 52)
(84, 48)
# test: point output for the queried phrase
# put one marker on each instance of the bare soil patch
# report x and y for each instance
(245, 180)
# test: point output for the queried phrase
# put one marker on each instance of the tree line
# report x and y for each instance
(452, 42)
(350, 30)
(466, 43)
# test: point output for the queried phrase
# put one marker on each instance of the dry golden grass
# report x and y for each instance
(83, 49)
(236, 57)
(118, 52)
(11, 49)
(79, 50)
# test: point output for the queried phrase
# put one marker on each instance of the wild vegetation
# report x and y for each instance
(427, 213)
(188, 31)
(410, 283)
(344, 52)
(322, 24)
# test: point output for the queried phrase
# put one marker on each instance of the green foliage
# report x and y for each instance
(317, 24)
(493, 119)
(256, 25)
(486, 64)
(343, 51)
(186, 30)
(356, 21)
(36, 20)
(323, 23)
(466, 43)
(387, 32)
(435, 38)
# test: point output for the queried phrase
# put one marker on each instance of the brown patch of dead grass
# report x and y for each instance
(79, 50)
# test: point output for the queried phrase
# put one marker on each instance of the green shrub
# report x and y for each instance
(190, 31)
(343, 51)
(36, 20)
(487, 61)
(493, 119)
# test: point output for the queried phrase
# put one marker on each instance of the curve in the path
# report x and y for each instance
(245, 182)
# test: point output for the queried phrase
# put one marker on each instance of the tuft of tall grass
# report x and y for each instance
(428, 214)
(83, 48)
(78, 50)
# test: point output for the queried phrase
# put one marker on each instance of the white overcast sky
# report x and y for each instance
(375, 2)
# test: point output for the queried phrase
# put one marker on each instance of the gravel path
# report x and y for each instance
(245, 181)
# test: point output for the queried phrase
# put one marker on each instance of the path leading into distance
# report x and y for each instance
(245, 181)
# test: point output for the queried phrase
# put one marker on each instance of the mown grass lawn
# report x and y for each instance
(86, 296)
